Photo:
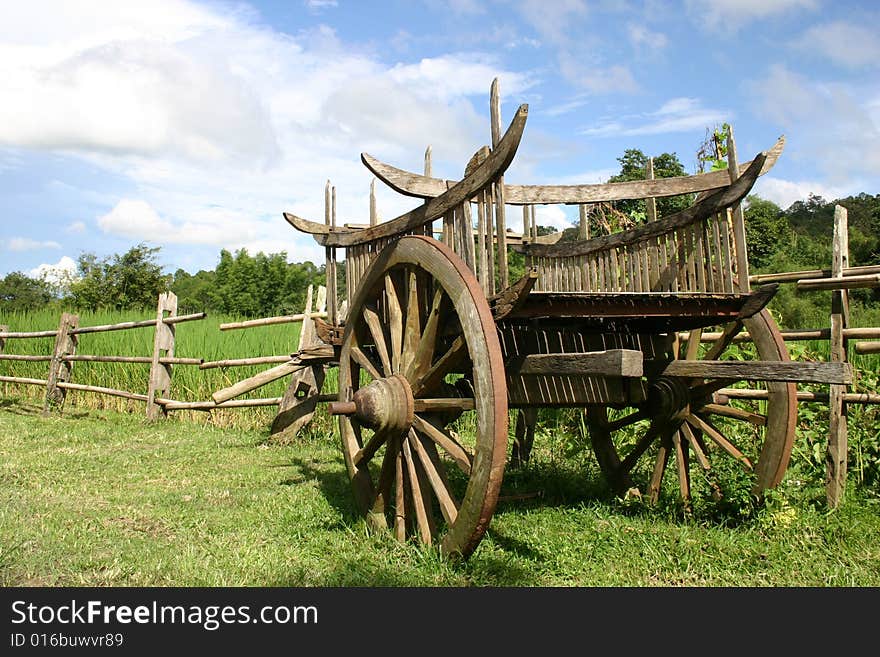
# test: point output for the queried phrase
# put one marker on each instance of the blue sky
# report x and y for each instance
(193, 125)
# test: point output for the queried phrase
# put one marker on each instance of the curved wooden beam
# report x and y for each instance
(715, 202)
(413, 184)
(434, 208)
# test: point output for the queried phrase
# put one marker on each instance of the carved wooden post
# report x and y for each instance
(163, 346)
(60, 370)
(739, 224)
(330, 253)
(301, 397)
(836, 453)
(500, 219)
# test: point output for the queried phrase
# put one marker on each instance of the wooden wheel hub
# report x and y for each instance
(668, 398)
(384, 405)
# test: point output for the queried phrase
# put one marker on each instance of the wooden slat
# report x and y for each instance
(412, 184)
(756, 370)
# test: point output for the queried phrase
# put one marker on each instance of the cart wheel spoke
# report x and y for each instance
(424, 352)
(693, 344)
(381, 503)
(367, 452)
(659, 468)
(415, 488)
(627, 420)
(463, 459)
(718, 438)
(412, 328)
(395, 322)
(448, 507)
(399, 498)
(361, 359)
(732, 412)
(378, 333)
(682, 463)
(451, 359)
(728, 333)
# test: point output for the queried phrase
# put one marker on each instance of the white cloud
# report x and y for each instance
(61, 273)
(676, 115)
(835, 125)
(642, 38)
(28, 244)
(76, 228)
(785, 192)
(565, 26)
(844, 43)
(552, 215)
(733, 14)
(216, 124)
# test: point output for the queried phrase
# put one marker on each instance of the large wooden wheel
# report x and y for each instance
(685, 421)
(422, 398)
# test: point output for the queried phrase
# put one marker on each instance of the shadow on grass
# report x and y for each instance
(333, 484)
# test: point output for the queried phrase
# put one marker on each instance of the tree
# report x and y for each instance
(132, 280)
(19, 293)
(634, 166)
(766, 230)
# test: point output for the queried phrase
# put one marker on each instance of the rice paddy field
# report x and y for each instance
(195, 339)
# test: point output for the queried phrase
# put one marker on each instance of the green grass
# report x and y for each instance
(100, 498)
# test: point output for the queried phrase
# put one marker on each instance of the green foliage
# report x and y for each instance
(256, 286)
(18, 293)
(634, 166)
(129, 281)
(767, 231)
(713, 151)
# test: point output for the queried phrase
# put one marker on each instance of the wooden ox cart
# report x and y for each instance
(635, 327)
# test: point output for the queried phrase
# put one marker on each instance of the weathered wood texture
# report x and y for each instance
(838, 282)
(614, 362)
(303, 393)
(163, 347)
(694, 251)
(481, 177)
(837, 448)
(412, 184)
(123, 326)
(60, 370)
(754, 370)
(793, 276)
(268, 321)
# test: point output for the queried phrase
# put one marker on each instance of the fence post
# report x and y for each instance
(836, 453)
(301, 397)
(163, 345)
(3, 329)
(60, 370)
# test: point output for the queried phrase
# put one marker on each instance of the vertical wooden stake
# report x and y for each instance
(836, 453)
(583, 222)
(500, 219)
(374, 213)
(301, 397)
(60, 370)
(163, 346)
(3, 329)
(739, 224)
(330, 254)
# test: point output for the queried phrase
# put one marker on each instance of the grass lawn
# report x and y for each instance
(99, 498)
